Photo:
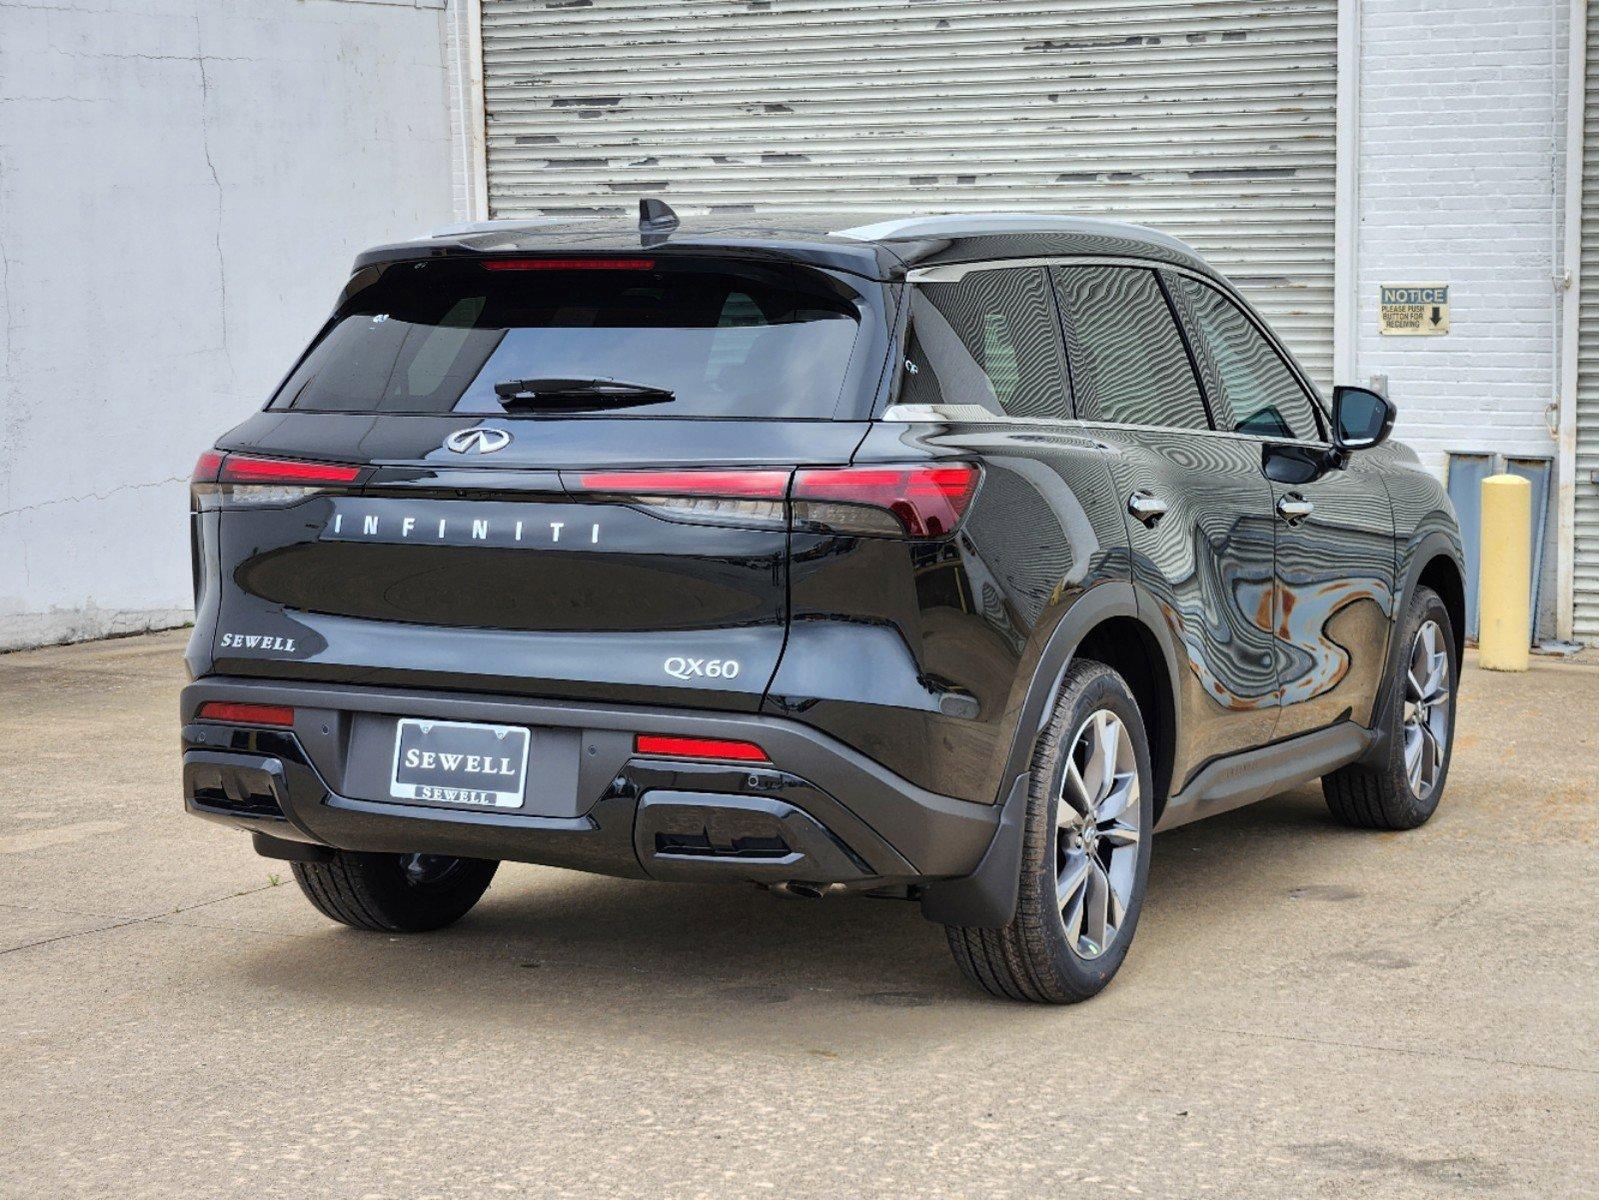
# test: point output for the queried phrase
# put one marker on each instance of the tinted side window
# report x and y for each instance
(990, 339)
(1128, 362)
(1253, 380)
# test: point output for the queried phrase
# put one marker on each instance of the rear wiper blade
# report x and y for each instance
(578, 394)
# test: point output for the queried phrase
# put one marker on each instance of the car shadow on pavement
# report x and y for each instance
(574, 949)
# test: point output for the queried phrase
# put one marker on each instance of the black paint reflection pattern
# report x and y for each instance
(1128, 362)
(990, 339)
(1259, 393)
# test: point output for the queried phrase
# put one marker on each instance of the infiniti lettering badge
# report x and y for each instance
(477, 441)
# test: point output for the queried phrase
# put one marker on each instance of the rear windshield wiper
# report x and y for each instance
(575, 395)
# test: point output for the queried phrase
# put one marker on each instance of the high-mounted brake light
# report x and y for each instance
(569, 264)
(743, 485)
(924, 501)
(713, 749)
(234, 713)
(244, 468)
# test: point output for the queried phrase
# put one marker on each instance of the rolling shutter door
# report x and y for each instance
(1210, 119)
(1585, 606)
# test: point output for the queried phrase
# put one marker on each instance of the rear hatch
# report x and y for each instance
(555, 477)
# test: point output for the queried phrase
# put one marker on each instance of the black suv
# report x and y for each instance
(945, 559)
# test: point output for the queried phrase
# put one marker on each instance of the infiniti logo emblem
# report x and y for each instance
(477, 441)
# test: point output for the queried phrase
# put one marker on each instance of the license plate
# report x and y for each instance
(452, 762)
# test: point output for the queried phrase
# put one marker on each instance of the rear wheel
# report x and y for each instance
(1402, 789)
(1085, 856)
(394, 893)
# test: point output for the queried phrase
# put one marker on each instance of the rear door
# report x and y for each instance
(567, 543)
(1199, 509)
(1334, 527)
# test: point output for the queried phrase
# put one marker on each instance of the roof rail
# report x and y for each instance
(953, 225)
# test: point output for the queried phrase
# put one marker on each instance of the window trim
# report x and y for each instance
(953, 272)
(902, 341)
(1311, 397)
(1182, 340)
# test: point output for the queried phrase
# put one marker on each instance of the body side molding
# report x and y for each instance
(1227, 783)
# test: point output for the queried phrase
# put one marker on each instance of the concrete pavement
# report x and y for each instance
(1308, 1011)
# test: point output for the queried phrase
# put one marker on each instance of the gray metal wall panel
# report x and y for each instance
(1212, 119)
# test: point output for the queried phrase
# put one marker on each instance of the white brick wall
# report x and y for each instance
(1461, 106)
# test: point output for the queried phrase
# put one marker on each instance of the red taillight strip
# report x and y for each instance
(714, 749)
(245, 468)
(235, 713)
(569, 264)
(742, 485)
(928, 500)
(208, 467)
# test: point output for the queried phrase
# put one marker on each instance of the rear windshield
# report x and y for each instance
(726, 339)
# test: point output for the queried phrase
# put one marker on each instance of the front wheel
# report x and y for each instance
(1402, 789)
(1085, 856)
(394, 893)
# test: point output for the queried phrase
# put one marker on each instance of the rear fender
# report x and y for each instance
(987, 898)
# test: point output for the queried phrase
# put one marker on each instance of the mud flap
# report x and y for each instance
(986, 899)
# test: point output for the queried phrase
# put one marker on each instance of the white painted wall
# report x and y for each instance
(183, 184)
(1460, 118)
(1461, 149)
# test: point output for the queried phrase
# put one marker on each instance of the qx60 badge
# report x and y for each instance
(477, 441)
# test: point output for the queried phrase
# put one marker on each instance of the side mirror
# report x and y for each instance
(1361, 418)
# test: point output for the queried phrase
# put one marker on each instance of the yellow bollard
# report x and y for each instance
(1505, 574)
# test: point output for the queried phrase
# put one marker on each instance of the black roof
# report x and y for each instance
(879, 250)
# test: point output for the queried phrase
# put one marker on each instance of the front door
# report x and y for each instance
(1334, 529)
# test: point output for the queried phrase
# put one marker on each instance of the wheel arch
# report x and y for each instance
(1442, 574)
(1433, 560)
(1130, 648)
(1108, 625)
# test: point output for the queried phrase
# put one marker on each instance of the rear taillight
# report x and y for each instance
(246, 468)
(916, 501)
(207, 468)
(741, 497)
(707, 749)
(759, 484)
(234, 713)
(249, 479)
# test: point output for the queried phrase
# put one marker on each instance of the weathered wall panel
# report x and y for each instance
(1212, 119)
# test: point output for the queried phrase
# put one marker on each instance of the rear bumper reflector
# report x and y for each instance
(234, 713)
(712, 749)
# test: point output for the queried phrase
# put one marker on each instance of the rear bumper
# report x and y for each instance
(821, 813)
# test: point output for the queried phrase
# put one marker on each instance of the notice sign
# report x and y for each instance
(1415, 309)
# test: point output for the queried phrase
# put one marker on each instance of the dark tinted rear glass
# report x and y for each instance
(727, 339)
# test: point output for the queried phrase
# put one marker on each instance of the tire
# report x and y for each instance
(394, 893)
(1035, 958)
(1389, 793)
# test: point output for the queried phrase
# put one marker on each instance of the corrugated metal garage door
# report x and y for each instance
(1586, 582)
(1211, 119)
